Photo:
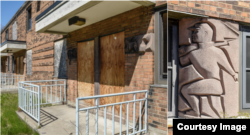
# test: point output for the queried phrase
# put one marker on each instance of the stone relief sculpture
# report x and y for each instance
(208, 72)
(139, 43)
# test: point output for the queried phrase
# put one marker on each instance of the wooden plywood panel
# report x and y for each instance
(85, 63)
(112, 69)
(21, 65)
(17, 65)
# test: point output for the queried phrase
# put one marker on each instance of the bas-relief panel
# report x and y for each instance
(29, 62)
(60, 58)
(14, 31)
(208, 72)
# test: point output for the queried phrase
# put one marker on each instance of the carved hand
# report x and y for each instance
(235, 76)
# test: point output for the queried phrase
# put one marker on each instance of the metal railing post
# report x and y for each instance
(19, 95)
(134, 114)
(77, 117)
(38, 106)
(146, 112)
(97, 106)
(96, 116)
(65, 91)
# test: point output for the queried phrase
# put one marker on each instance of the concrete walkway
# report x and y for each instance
(61, 119)
(11, 90)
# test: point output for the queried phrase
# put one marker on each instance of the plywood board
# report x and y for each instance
(85, 63)
(112, 69)
(3, 66)
(21, 65)
(17, 65)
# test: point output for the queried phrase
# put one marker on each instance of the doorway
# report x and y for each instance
(101, 69)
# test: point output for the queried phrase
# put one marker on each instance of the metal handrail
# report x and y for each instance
(97, 106)
(31, 95)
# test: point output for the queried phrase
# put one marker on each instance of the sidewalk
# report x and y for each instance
(60, 120)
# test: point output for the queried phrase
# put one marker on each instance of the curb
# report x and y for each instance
(34, 129)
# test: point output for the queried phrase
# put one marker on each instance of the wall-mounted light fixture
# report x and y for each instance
(76, 21)
(8, 51)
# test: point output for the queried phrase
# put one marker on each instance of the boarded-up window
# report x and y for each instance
(7, 34)
(17, 65)
(29, 62)
(60, 56)
(21, 65)
(9, 63)
(14, 31)
(3, 66)
(13, 64)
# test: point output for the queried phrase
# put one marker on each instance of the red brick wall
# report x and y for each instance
(139, 69)
(160, 2)
(42, 46)
(134, 22)
(232, 10)
(157, 108)
(21, 28)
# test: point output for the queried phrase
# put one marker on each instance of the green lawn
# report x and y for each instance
(10, 122)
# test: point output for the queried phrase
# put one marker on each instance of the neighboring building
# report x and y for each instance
(29, 53)
(211, 44)
(100, 47)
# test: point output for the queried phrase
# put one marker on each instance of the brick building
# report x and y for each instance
(19, 39)
(112, 51)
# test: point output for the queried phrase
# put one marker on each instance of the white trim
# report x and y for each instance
(16, 46)
(64, 1)
(4, 54)
(159, 86)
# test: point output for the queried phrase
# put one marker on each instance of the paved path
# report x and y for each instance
(60, 120)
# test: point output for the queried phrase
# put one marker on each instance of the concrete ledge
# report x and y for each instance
(159, 86)
(28, 120)
(10, 91)
(156, 131)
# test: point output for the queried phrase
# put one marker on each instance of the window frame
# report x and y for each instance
(38, 6)
(158, 66)
(29, 23)
(244, 69)
(158, 58)
(162, 73)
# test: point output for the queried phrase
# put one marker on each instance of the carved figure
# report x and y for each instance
(72, 54)
(139, 43)
(208, 61)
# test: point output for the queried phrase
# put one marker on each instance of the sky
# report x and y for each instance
(8, 9)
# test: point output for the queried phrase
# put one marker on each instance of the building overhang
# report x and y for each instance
(4, 54)
(55, 18)
(12, 46)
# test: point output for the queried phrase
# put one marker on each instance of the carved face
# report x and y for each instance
(201, 33)
(197, 34)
